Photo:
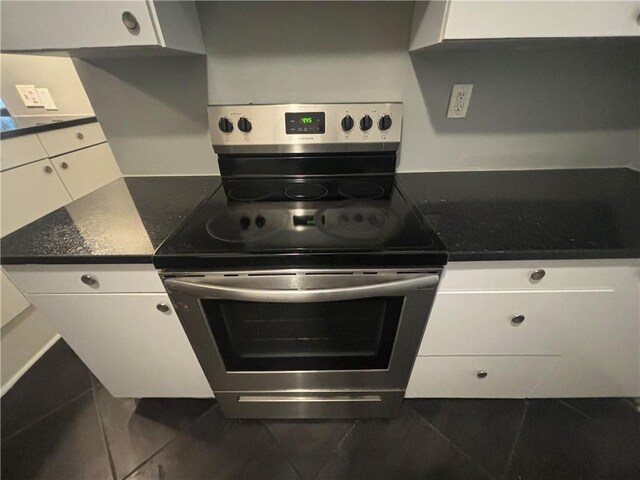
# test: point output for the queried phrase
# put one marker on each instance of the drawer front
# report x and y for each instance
(458, 377)
(512, 323)
(69, 278)
(12, 301)
(28, 193)
(21, 150)
(87, 170)
(558, 274)
(64, 140)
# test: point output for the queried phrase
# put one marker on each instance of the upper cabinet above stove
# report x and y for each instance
(440, 22)
(100, 28)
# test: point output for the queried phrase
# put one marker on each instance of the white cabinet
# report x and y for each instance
(21, 150)
(134, 349)
(12, 301)
(28, 193)
(478, 376)
(581, 326)
(87, 170)
(89, 27)
(65, 140)
(436, 22)
(115, 326)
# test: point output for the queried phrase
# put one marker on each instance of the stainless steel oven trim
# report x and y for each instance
(415, 310)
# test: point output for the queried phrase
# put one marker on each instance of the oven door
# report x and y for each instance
(301, 330)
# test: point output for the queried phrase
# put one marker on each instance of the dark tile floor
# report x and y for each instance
(58, 422)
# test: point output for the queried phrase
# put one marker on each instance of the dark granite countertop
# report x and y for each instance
(535, 214)
(45, 124)
(122, 222)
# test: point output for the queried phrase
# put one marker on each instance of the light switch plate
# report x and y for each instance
(29, 95)
(459, 102)
(46, 99)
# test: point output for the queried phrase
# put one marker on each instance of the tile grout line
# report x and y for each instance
(50, 412)
(454, 445)
(507, 466)
(575, 409)
(281, 450)
(112, 465)
(162, 447)
(344, 437)
(132, 472)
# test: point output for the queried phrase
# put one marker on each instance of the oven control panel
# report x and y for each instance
(305, 127)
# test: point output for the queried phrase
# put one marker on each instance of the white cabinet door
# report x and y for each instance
(28, 193)
(65, 140)
(435, 22)
(63, 25)
(134, 349)
(20, 150)
(87, 170)
(478, 376)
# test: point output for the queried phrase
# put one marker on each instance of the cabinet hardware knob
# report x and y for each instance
(130, 21)
(517, 319)
(481, 374)
(48, 169)
(537, 274)
(163, 307)
(79, 135)
(64, 165)
(89, 280)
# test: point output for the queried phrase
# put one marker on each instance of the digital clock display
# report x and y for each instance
(304, 122)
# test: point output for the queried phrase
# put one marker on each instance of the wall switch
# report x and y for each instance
(29, 95)
(46, 99)
(459, 102)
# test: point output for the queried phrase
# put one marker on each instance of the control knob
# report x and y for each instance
(366, 123)
(244, 125)
(385, 122)
(225, 125)
(347, 123)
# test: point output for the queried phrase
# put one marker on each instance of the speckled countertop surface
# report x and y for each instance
(535, 214)
(122, 222)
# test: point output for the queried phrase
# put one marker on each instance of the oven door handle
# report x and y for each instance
(203, 289)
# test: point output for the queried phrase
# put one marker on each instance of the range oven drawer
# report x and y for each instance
(323, 404)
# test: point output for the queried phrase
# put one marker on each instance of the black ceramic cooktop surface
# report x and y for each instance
(317, 221)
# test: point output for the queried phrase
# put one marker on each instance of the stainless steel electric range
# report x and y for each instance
(304, 283)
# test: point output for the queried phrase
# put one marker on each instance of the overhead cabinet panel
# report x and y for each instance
(436, 22)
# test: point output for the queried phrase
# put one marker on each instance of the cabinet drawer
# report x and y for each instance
(558, 274)
(64, 140)
(28, 193)
(68, 278)
(506, 377)
(482, 323)
(87, 170)
(21, 150)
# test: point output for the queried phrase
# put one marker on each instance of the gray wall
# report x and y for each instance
(537, 105)
(153, 112)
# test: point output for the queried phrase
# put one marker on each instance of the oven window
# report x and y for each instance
(346, 335)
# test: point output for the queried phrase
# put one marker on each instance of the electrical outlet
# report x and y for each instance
(459, 102)
(29, 95)
(46, 99)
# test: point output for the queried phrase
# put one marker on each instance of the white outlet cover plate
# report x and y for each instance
(459, 101)
(46, 99)
(29, 95)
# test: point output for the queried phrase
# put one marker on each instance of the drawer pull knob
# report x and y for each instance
(481, 374)
(89, 280)
(163, 307)
(79, 135)
(130, 21)
(64, 165)
(538, 274)
(517, 319)
(48, 169)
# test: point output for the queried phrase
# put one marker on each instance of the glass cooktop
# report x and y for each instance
(272, 221)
